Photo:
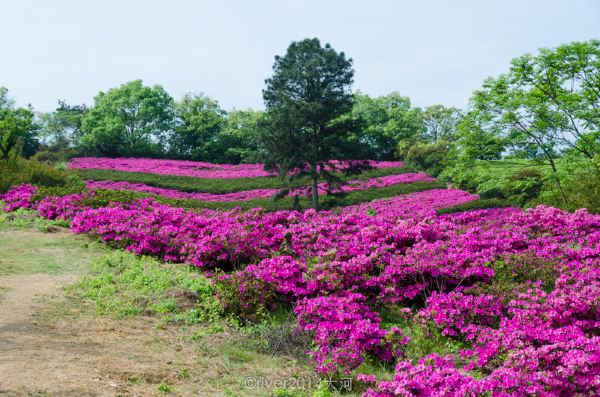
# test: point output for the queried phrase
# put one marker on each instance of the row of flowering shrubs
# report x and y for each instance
(518, 290)
(196, 168)
(385, 181)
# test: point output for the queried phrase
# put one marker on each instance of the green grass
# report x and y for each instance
(124, 284)
(217, 186)
(25, 250)
(508, 167)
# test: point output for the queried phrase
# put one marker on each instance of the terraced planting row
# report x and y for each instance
(485, 302)
(406, 301)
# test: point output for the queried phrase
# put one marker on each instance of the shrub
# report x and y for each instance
(52, 157)
(245, 298)
(18, 171)
(475, 205)
(428, 157)
(524, 186)
(581, 183)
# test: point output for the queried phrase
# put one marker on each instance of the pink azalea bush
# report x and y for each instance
(345, 329)
(380, 182)
(18, 197)
(194, 168)
(518, 290)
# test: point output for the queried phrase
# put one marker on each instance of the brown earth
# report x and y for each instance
(52, 346)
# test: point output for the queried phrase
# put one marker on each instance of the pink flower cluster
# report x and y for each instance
(62, 207)
(379, 182)
(194, 168)
(18, 197)
(519, 290)
(345, 330)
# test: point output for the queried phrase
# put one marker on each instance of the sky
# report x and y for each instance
(435, 52)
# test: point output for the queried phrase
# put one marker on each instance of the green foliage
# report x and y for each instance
(580, 178)
(517, 181)
(124, 284)
(18, 170)
(430, 157)
(102, 197)
(475, 205)
(441, 123)
(425, 339)
(514, 274)
(279, 392)
(54, 156)
(131, 120)
(305, 98)
(386, 120)
(477, 143)
(16, 127)
(200, 121)
(165, 388)
(548, 103)
(60, 131)
(238, 140)
(524, 186)
(245, 299)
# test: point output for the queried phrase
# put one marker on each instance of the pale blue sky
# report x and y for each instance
(432, 51)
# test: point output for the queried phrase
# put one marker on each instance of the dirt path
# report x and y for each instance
(45, 354)
(54, 345)
(37, 359)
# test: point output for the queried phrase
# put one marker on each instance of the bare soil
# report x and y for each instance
(52, 346)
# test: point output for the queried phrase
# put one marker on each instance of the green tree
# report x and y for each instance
(17, 127)
(237, 142)
(306, 97)
(385, 121)
(477, 143)
(550, 100)
(61, 129)
(200, 121)
(131, 120)
(441, 122)
(430, 157)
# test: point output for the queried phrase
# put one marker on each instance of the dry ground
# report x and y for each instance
(51, 345)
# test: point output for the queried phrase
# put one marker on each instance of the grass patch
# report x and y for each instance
(23, 249)
(123, 284)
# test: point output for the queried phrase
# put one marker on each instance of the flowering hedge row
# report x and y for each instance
(195, 168)
(518, 290)
(354, 185)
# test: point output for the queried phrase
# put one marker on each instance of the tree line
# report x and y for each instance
(545, 108)
(136, 120)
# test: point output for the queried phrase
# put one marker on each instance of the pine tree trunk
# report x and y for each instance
(315, 187)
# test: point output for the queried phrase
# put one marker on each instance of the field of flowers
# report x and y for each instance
(195, 168)
(512, 297)
(350, 186)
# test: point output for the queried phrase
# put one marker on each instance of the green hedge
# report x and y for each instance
(217, 186)
(103, 197)
(476, 205)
